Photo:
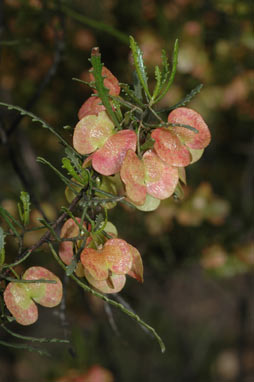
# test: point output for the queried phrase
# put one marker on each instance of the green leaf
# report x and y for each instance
(182, 125)
(71, 171)
(91, 84)
(9, 219)
(165, 67)
(2, 244)
(117, 107)
(158, 77)
(2, 256)
(103, 92)
(24, 347)
(22, 281)
(27, 254)
(74, 158)
(25, 212)
(172, 74)
(77, 163)
(139, 65)
(34, 339)
(112, 198)
(184, 101)
(2, 237)
(137, 86)
(148, 144)
(131, 94)
(48, 226)
(98, 221)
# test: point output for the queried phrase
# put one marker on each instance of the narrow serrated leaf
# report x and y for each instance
(18, 261)
(98, 221)
(71, 171)
(137, 86)
(172, 74)
(2, 257)
(91, 84)
(131, 94)
(165, 66)
(34, 339)
(22, 281)
(9, 219)
(117, 107)
(76, 162)
(2, 237)
(182, 125)
(148, 144)
(158, 77)
(139, 66)
(15, 221)
(103, 92)
(48, 226)
(74, 158)
(25, 214)
(24, 347)
(186, 99)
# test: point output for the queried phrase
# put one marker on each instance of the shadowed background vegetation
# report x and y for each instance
(198, 252)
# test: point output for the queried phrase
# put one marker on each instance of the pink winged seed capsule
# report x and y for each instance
(106, 268)
(95, 263)
(109, 158)
(123, 258)
(19, 297)
(45, 294)
(95, 134)
(161, 179)
(118, 256)
(179, 146)
(114, 256)
(20, 304)
(148, 176)
(91, 132)
(186, 116)
(169, 148)
(133, 175)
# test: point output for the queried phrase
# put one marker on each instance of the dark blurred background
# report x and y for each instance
(198, 252)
